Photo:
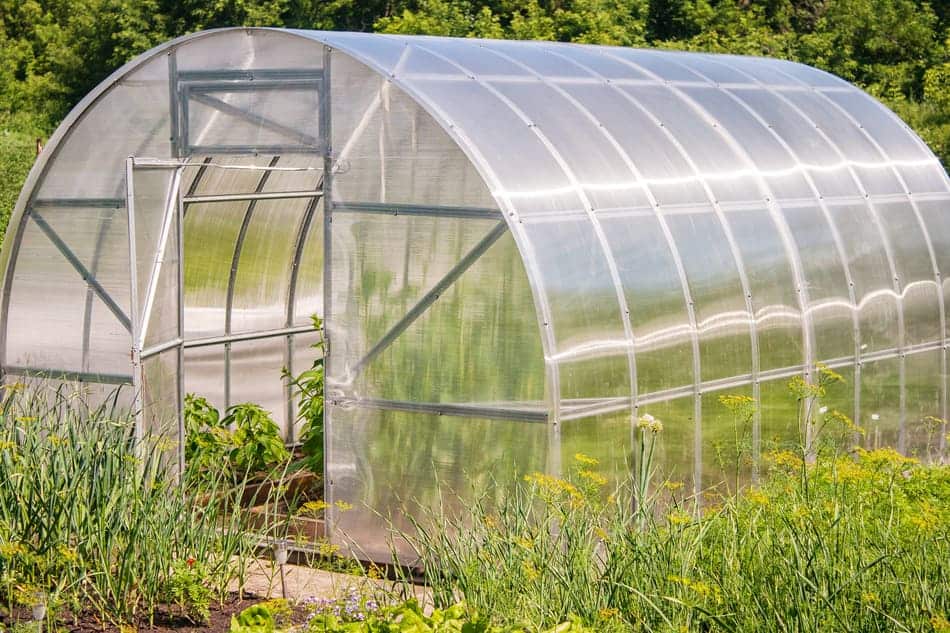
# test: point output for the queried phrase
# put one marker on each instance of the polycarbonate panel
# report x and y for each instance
(924, 415)
(248, 116)
(713, 159)
(154, 209)
(772, 284)
(819, 159)
(390, 150)
(384, 265)
(160, 405)
(204, 373)
(881, 416)
(229, 175)
(915, 270)
(646, 265)
(130, 119)
(878, 306)
(780, 428)
(586, 316)
(390, 465)
(509, 144)
(936, 218)
(569, 127)
(455, 350)
(211, 231)
(45, 322)
(255, 376)
(665, 171)
(722, 320)
(829, 304)
(309, 290)
(775, 168)
(263, 274)
(304, 354)
(875, 173)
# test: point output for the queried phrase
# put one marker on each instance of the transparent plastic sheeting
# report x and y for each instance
(524, 246)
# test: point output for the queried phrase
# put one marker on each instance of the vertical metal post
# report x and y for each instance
(180, 377)
(326, 132)
(136, 352)
(173, 104)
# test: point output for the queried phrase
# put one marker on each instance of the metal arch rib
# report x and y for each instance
(232, 278)
(928, 241)
(589, 209)
(835, 234)
(888, 251)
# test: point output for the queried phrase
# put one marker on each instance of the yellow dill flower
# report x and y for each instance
(595, 478)
(530, 570)
(587, 460)
(679, 517)
(869, 597)
(940, 624)
(756, 496)
(785, 459)
(490, 521)
(343, 506)
(608, 614)
(828, 374)
(314, 507)
(672, 485)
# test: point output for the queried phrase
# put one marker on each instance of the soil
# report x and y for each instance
(166, 620)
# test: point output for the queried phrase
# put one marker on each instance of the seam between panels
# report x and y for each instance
(717, 210)
(836, 238)
(888, 253)
(680, 269)
(594, 220)
(784, 231)
(930, 252)
(542, 306)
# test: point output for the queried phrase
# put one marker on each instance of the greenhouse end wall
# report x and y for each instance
(517, 249)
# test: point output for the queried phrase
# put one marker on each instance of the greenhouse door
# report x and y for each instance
(155, 255)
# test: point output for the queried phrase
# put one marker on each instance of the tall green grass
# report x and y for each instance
(95, 520)
(834, 538)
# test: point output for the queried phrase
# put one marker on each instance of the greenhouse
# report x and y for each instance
(516, 249)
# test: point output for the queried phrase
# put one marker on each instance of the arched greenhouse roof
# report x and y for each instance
(494, 232)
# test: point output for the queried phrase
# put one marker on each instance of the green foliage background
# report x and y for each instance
(54, 51)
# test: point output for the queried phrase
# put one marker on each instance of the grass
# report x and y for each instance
(92, 520)
(834, 538)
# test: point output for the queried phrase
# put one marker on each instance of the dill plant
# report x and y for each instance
(831, 537)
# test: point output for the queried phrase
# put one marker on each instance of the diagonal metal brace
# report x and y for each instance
(87, 276)
(256, 119)
(430, 297)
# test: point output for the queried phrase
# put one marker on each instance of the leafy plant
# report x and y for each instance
(257, 442)
(208, 440)
(308, 386)
(257, 618)
(187, 587)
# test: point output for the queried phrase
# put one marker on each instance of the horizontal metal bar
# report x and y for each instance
(248, 336)
(410, 209)
(255, 119)
(252, 86)
(94, 203)
(598, 407)
(87, 276)
(65, 374)
(155, 350)
(255, 149)
(268, 195)
(449, 409)
(250, 74)
(164, 163)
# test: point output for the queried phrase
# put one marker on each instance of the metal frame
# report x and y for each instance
(201, 85)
